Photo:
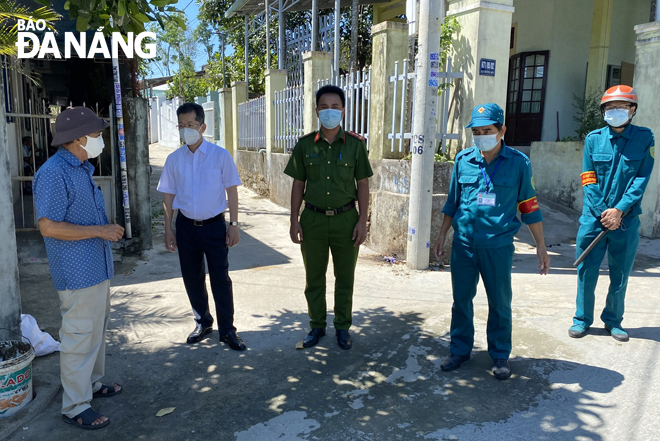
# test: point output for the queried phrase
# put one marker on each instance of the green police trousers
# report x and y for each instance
(320, 234)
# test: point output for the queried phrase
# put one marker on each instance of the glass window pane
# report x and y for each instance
(516, 74)
(539, 72)
(540, 60)
(536, 95)
(536, 107)
(514, 86)
(528, 84)
(512, 108)
(527, 95)
(524, 108)
(538, 84)
(512, 97)
(518, 62)
(529, 60)
(529, 72)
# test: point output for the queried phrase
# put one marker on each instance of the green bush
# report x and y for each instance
(588, 115)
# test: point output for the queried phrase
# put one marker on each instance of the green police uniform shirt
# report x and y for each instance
(616, 169)
(330, 170)
(486, 226)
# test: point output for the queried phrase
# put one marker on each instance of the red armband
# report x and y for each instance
(528, 206)
(588, 178)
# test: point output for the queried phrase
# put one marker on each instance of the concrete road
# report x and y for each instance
(389, 386)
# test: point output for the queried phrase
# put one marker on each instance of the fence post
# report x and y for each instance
(275, 81)
(214, 97)
(317, 66)
(239, 94)
(389, 44)
(226, 120)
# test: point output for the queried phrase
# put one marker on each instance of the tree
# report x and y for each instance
(127, 15)
(355, 12)
(10, 13)
(203, 34)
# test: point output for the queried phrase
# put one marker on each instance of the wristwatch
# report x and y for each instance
(233, 224)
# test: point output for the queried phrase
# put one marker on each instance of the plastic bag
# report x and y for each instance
(42, 342)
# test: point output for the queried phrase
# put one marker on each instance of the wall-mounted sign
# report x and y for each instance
(487, 67)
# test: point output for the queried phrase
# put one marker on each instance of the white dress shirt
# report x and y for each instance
(198, 180)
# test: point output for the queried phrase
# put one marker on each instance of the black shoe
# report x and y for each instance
(453, 361)
(234, 341)
(501, 369)
(313, 337)
(199, 333)
(344, 339)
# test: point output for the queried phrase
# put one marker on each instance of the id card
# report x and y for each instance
(487, 199)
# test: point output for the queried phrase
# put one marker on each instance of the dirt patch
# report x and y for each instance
(13, 349)
(256, 183)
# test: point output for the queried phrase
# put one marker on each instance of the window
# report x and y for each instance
(613, 76)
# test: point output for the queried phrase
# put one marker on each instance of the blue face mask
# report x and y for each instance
(330, 118)
(616, 117)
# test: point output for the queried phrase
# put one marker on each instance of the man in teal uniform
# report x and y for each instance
(490, 183)
(330, 170)
(617, 164)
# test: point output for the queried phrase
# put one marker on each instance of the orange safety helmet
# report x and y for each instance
(620, 93)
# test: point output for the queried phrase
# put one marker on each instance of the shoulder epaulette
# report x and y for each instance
(355, 135)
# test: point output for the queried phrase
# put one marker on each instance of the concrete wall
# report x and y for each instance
(646, 85)
(557, 167)
(255, 175)
(564, 28)
(137, 163)
(10, 306)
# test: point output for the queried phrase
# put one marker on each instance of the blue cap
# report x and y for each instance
(485, 115)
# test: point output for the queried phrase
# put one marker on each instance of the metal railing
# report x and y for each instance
(252, 124)
(289, 117)
(357, 89)
(403, 121)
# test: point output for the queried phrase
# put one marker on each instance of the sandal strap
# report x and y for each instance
(88, 416)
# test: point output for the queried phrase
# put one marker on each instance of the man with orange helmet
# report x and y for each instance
(617, 164)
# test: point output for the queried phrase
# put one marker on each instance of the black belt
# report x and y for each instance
(199, 223)
(334, 212)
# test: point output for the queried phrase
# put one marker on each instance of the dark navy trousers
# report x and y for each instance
(195, 243)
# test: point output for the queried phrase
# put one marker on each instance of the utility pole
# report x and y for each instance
(423, 141)
(180, 74)
(224, 84)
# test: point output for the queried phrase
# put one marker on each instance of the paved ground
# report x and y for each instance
(389, 386)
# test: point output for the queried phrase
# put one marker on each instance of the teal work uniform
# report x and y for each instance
(616, 169)
(483, 241)
(330, 172)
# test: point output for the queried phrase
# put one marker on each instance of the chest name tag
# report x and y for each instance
(487, 199)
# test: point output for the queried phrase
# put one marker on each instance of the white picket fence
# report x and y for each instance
(252, 124)
(402, 80)
(289, 117)
(357, 89)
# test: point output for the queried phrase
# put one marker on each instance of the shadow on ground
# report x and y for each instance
(389, 386)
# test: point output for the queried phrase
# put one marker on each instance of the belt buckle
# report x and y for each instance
(198, 223)
(329, 212)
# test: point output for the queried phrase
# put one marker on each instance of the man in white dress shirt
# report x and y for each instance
(194, 181)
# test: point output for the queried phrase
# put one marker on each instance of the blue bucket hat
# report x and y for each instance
(76, 122)
(485, 115)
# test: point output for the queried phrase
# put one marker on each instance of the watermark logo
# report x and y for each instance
(31, 45)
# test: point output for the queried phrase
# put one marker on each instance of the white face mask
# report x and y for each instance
(617, 117)
(189, 136)
(485, 143)
(94, 146)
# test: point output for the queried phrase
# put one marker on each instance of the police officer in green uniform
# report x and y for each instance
(617, 166)
(325, 167)
(490, 183)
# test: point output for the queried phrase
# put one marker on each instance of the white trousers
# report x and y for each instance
(85, 314)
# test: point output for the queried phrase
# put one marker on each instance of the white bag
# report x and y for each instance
(42, 342)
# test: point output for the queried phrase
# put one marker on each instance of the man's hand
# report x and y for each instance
(111, 232)
(611, 218)
(439, 248)
(296, 232)
(233, 236)
(170, 241)
(544, 260)
(359, 233)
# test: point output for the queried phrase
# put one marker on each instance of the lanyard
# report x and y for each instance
(490, 179)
